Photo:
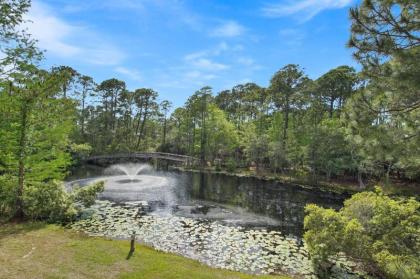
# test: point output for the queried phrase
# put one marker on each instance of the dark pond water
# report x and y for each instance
(238, 223)
(232, 200)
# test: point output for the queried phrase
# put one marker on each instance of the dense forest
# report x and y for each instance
(345, 124)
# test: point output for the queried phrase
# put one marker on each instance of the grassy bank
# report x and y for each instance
(36, 250)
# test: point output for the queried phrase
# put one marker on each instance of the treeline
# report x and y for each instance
(335, 126)
(294, 125)
(342, 125)
(345, 124)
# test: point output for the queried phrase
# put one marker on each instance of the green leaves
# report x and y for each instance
(8, 193)
(382, 28)
(87, 195)
(49, 202)
(380, 232)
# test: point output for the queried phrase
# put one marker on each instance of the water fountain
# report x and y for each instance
(133, 182)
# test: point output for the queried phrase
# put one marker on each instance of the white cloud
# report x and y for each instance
(195, 55)
(50, 31)
(222, 47)
(199, 75)
(207, 64)
(66, 40)
(228, 29)
(174, 11)
(202, 60)
(214, 51)
(130, 73)
(202, 66)
(306, 9)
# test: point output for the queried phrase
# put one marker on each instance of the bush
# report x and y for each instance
(52, 203)
(379, 232)
(87, 195)
(231, 165)
(8, 191)
(48, 201)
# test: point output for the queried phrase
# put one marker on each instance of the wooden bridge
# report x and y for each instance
(143, 155)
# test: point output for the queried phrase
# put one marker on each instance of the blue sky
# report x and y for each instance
(178, 46)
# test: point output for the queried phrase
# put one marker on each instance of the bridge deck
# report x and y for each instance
(144, 155)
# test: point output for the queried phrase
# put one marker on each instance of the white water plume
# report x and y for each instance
(129, 169)
(135, 182)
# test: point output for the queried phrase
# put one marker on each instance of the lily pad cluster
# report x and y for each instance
(255, 251)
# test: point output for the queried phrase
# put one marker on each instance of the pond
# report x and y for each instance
(239, 223)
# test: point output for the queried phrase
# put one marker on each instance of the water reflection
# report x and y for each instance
(238, 223)
(232, 200)
(282, 202)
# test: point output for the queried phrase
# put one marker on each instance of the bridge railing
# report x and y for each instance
(159, 155)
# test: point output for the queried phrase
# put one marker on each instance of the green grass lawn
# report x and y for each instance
(36, 250)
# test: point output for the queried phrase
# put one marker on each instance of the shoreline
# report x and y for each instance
(332, 187)
(291, 181)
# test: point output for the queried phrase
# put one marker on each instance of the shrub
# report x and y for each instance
(8, 191)
(87, 195)
(377, 231)
(48, 201)
(51, 202)
(231, 165)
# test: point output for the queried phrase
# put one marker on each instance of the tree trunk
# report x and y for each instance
(331, 107)
(360, 180)
(83, 112)
(203, 140)
(164, 131)
(139, 120)
(388, 171)
(65, 91)
(193, 138)
(21, 154)
(285, 125)
(142, 127)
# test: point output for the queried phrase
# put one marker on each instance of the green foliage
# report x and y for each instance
(380, 232)
(17, 46)
(255, 146)
(221, 134)
(230, 165)
(8, 192)
(80, 150)
(49, 202)
(87, 195)
(380, 28)
(336, 86)
(323, 234)
(382, 119)
(334, 155)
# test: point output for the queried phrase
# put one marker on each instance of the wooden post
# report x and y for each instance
(133, 242)
(132, 245)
